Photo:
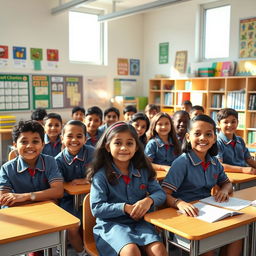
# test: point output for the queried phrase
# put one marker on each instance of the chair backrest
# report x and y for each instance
(89, 222)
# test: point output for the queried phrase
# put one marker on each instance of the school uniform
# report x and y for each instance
(73, 167)
(233, 152)
(114, 228)
(103, 128)
(192, 179)
(51, 149)
(17, 177)
(160, 153)
(92, 141)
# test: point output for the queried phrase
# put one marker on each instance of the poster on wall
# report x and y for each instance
(163, 53)
(57, 91)
(36, 56)
(19, 57)
(4, 56)
(122, 67)
(73, 87)
(14, 92)
(40, 91)
(134, 67)
(52, 58)
(247, 38)
(125, 87)
(181, 61)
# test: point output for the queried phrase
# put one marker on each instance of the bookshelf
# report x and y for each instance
(213, 93)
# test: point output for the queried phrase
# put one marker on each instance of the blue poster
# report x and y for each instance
(134, 67)
(19, 53)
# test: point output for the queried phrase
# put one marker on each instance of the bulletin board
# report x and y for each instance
(30, 91)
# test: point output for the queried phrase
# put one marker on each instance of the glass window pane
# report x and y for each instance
(84, 37)
(217, 29)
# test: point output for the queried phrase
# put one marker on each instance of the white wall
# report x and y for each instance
(29, 23)
(179, 25)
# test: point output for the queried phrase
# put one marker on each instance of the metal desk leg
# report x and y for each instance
(63, 240)
(246, 243)
(166, 240)
(194, 246)
(76, 202)
(253, 239)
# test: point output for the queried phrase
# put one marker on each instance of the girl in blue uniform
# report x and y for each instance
(196, 172)
(162, 147)
(72, 163)
(123, 190)
(141, 124)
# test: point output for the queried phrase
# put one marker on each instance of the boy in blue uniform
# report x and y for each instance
(93, 120)
(128, 112)
(53, 126)
(31, 176)
(233, 153)
(78, 113)
(72, 163)
(111, 116)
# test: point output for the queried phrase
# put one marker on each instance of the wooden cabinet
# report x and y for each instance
(213, 93)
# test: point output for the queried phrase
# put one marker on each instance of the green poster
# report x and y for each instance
(163, 53)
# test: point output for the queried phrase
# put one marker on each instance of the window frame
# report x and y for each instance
(203, 9)
(103, 27)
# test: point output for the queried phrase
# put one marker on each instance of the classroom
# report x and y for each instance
(134, 52)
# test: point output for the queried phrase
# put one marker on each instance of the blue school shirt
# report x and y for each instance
(114, 228)
(74, 167)
(156, 151)
(14, 175)
(51, 149)
(93, 142)
(103, 128)
(228, 154)
(188, 180)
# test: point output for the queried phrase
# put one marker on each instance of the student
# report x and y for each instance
(141, 124)
(128, 112)
(93, 120)
(187, 105)
(180, 121)
(52, 127)
(151, 110)
(233, 153)
(163, 146)
(111, 116)
(197, 171)
(78, 113)
(123, 190)
(72, 163)
(38, 115)
(31, 176)
(196, 110)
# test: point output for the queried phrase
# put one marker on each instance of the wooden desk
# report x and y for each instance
(34, 227)
(4, 133)
(242, 180)
(203, 236)
(160, 175)
(76, 191)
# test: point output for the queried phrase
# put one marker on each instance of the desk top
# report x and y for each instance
(192, 228)
(76, 189)
(247, 194)
(21, 222)
(160, 175)
(237, 177)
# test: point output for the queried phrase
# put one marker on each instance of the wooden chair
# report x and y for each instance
(89, 222)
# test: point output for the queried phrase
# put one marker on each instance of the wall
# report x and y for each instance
(29, 23)
(179, 25)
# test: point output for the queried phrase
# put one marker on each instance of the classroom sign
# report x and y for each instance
(14, 92)
(163, 53)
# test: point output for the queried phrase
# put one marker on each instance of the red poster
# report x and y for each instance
(3, 52)
(52, 55)
(122, 67)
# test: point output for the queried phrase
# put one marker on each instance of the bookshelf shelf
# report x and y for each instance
(213, 93)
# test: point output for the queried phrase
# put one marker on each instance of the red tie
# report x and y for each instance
(233, 143)
(205, 165)
(31, 172)
(166, 146)
(126, 179)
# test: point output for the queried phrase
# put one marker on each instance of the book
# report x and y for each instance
(212, 214)
(233, 203)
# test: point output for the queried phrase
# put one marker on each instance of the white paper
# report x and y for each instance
(233, 203)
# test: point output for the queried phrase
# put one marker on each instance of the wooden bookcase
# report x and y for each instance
(213, 93)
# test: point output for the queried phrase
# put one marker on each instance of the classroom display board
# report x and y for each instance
(14, 92)
(23, 92)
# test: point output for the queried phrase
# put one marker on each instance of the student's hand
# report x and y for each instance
(128, 208)
(140, 208)
(221, 196)
(187, 208)
(9, 199)
(249, 170)
(79, 181)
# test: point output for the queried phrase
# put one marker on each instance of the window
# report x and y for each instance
(216, 31)
(86, 42)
